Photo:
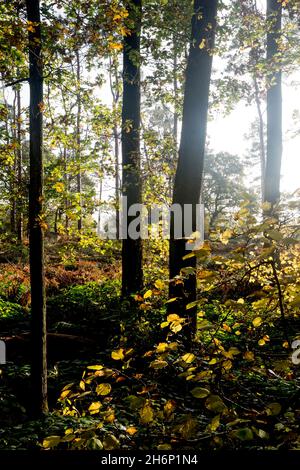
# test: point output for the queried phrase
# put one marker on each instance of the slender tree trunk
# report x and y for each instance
(117, 179)
(132, 275)
(13, 189)
(19, 209)
(78, 138)
(99, 208)
(175, 115)
(188, 179)
(114, 87)
(261, 128)
(274, 106)
(36, 214)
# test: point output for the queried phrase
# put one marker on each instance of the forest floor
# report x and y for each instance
(132, 385)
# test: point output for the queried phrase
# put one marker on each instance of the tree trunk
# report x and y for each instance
(262, 151)
(188, 179)
(114, 87)
(13, 190)
(19, 208)
(175, 115)
(274, 106)
(132, 275)
(36, 214)
(78, 139)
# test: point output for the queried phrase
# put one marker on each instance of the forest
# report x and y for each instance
(149, 226)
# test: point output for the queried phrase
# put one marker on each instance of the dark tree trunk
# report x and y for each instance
(274, 106)
(36, 236)
(188, 179)
(19, 208)
(132, 275)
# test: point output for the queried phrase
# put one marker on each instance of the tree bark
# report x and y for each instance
(114, 87)
(132, 275)
(274, 106)
(36, 214)
(19, 208)
(188, 179)
(261, 126)
(78, 137)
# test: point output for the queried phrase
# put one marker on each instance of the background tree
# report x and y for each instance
(274, 104)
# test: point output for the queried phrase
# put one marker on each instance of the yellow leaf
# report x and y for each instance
(95, 407)
(148, 294)
(95, 367)
(159, 284)
(164, 447)
(257, 322)
(176, 327)
(202, 44)
(226, 328)
(173, 317)
(188, 358)
(249, 356)
(146, 414)
(225, 236)
(215, 423)
(116, 46)
(169, 407)
(59, 187)
(82, 384)
(131, 430)
(227, 365)
(103, 389)
(118, 354)
(64, 394)
(51, 441)
(161, 347)
(158, 364)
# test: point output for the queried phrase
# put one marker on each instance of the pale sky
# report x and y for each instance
(228, 133)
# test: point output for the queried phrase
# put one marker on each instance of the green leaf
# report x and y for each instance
(110, 442)
(273, 409)
(243, 434)
(158, 364)
(275, 235)
(199, 392)
(216, 404)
